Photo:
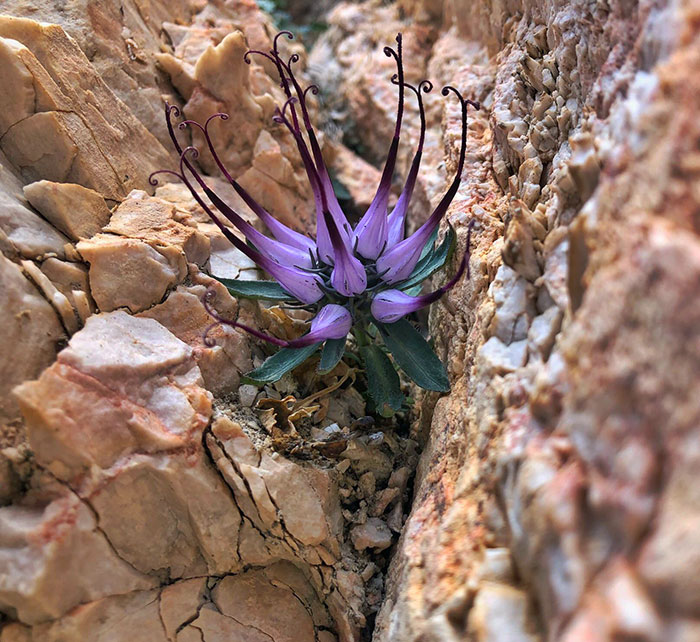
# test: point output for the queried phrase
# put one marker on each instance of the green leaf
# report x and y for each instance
(384, 386)
(432, 261)
(333, 351)
(279, 364)
(268, 290)
(430, 245)
(414, 355)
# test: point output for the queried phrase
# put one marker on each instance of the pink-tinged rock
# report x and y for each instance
(63, 136)
(130, 273)
(31, 330)
(53, 556)
(159, 222)
(123, 384)
(169, 514)
(262, 603)
(22, 231)
(184, 315)
(374, 534)
(179, 603)
(132, 616)
(304, 498)
(501, 612)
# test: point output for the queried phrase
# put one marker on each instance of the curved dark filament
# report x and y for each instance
(398, 56)
(208, 297)
(154, 181)
(247, 60)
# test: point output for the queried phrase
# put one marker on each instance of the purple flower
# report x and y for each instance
(332, 322)
(391, 305)
(349, 276)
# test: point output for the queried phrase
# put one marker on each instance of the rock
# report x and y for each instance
(129, 273)
(22, 231)
(31, 330)
(159, 223)
(61, 136)
(184, 315)
(75, 210)
(514, 306)
(54, 556)
(122, 44)
(374, 533)
(500, 612)
(88, 382)
(499, 358)
(58, 300)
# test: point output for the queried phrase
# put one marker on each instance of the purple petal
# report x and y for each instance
(398, 262)
(301, 284)
(280, 231)
(324, 181)
(332, 322)
(323, 240)
(348, 276)
(389, 306)
(372, 230)
(277, 251)
(397, 218)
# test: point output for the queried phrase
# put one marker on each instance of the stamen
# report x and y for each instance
(208, 297)
(246, 56)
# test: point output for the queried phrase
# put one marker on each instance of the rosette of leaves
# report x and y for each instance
(359, 281)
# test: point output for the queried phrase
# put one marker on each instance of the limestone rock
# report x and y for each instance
(60, 136)
(159, 223)
(130, 273)
(55, 556)
(75, 210)
(374, 533)
(31, 330)
(184, 315)
(22, 231)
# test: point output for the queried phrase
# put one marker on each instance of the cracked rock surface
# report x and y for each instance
(148, 495)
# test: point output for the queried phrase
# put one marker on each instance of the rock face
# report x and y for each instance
(145, 494)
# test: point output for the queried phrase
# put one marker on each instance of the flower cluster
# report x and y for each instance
(362, 280)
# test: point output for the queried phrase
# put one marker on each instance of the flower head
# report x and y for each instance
(352, 277)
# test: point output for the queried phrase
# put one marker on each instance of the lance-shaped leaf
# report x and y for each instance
(391, 305)
(348, 276)
(372, 230)
(383, 384)
(397, 263)
(333, 351)
(396, 221)
(414, 355)
(264, 290)
(279, 364)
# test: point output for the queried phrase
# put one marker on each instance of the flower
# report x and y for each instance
(352, 277)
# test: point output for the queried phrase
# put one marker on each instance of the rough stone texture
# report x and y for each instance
(59, 135)
(569, 438)
(76, 211)
(27, 320)
(146, 495)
